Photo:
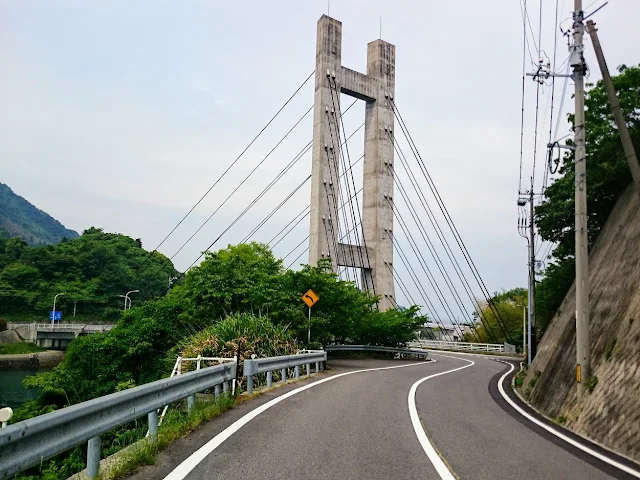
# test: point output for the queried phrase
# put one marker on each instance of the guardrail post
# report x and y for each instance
(249, 384)
(269, 378)
(191, 402)
(284, 375)
(152, 420)
(308, 369)
(317, 367)
(216, 390)
(93, 457)
(225, 387)
(297, 371)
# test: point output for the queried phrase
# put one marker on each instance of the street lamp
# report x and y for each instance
(53, 314)
(126, 298)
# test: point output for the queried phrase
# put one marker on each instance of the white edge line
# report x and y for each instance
(560, 435)
(427, 446)
(182, 470)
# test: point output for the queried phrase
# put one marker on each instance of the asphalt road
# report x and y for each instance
(358, 426)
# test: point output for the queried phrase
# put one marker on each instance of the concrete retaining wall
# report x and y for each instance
(29, 361)
(610, 415)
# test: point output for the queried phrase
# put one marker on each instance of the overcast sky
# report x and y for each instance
(120, 114)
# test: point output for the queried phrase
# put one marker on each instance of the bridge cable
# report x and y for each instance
(333, 186)
(423, 264)
(432, 250)
(246, 178)
(450, 223)
(364, 239)
(307, 210)
(405, 290)
(414, 277)
(441, 237)
(230, 166)
(266, 219)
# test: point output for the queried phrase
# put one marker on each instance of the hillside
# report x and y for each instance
(610, 415)
(19, 218)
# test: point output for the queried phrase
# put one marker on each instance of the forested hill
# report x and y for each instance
(19, 218)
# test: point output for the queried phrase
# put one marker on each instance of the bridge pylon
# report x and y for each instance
(374, 255)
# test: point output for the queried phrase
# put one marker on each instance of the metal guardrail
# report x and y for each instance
(27, 443)
(268, 365)
(375, 348)
(475, 347)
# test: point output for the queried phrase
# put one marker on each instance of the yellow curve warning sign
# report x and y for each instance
(310, 298)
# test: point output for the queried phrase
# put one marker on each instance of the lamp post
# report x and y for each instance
(53, 314)
(126, 297)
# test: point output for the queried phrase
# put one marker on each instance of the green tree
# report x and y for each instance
(607, 177)
(92, 270)
(509, 307)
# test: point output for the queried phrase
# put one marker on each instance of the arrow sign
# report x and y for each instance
(310, 298)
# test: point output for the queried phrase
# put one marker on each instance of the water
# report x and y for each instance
(12, 393)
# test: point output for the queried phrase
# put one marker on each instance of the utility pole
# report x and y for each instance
(532, 278)
(576, 60)
(625, 138)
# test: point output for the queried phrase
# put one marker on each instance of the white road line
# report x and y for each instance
(559, 434)
(427, 446)
(182, 470)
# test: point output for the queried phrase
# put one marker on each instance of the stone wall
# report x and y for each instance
(610, 415)
(31, 361)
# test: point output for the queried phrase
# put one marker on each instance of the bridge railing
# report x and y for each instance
(376, 348)
(27, 443)
(269, 365)
(72, 326)
(475, 347)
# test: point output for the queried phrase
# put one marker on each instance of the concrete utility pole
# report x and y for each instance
(375, 256)
(532, 278)
(576, 60)
(627, 145)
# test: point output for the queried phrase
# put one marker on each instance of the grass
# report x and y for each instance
(591, 383)
(20, 347)
(176, 424)
(561, 420)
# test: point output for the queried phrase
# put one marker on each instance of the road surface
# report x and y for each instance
(361, 422)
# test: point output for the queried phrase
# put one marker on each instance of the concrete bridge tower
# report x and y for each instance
(374, 256)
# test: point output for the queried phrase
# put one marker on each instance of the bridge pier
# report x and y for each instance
(374, 256)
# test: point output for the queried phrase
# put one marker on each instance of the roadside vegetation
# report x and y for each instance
(19, 348)
(240, 297)
(608, 177)
(490, 327)
(92, 271)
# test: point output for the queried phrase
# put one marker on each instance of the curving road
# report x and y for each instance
(380, 419)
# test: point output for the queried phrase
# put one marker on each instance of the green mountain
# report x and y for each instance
(19, 218)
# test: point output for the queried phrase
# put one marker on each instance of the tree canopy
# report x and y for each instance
(239, 280)
(92, 270)
(607, 177)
